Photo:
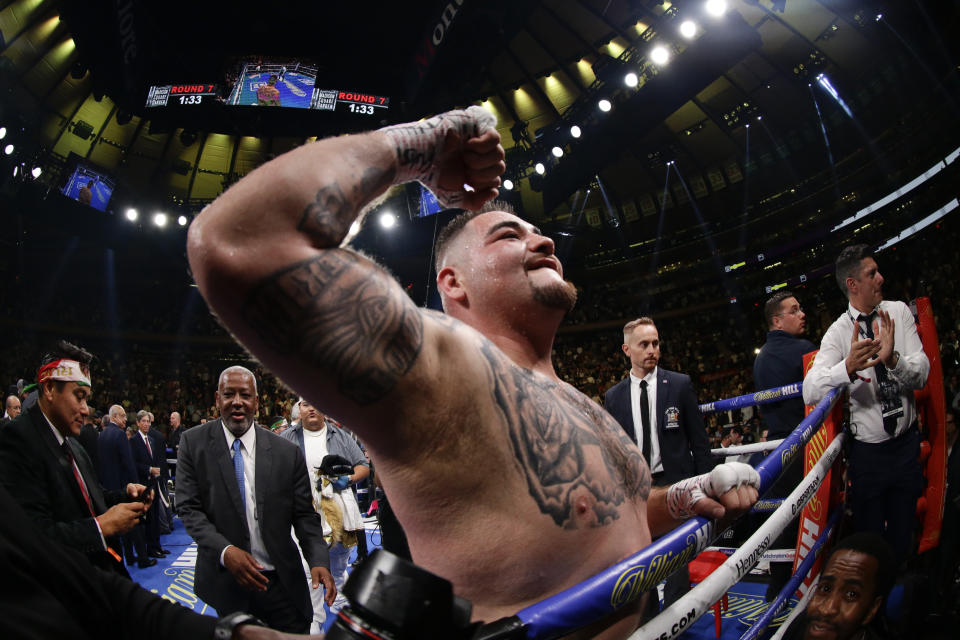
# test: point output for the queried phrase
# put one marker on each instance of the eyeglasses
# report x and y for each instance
(792, 312)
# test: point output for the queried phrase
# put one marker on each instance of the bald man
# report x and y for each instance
(465, 403)
(240, 489)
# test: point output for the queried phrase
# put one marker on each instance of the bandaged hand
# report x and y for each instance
(341, 483)
(449, 150)
(739, 480)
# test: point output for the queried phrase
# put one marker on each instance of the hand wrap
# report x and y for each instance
(419, 144)
(683, 495)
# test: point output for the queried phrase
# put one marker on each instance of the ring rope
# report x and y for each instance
(797, 610)
(766, 505)
(742, 449)
(775, 394)
(614, 587)
(793, 583)
(771, 555)
(678, 616)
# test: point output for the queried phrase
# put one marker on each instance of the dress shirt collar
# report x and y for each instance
(56, 432)
(855, 313)
(249, 439)
(651, 378)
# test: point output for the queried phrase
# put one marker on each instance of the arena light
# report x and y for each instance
(132, 214)
(604, 105)
(35, 172)
(387, 220)
(160, 219)
(557, 152)
(660, 55)
(575, 131)
(631, 79)
(508, 184)
(8, 149)
(3, 133)
(16, 170)
(182, 221)
(716, 8)
(688, 29)
(539, 168)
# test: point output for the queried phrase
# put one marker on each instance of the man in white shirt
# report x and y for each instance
(874, 350)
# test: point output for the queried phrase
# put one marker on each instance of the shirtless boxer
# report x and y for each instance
(509, 482)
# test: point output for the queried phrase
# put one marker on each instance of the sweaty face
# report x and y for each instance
(310, 418)
(642, 346)
(869, 284)
(506, 257)
(237, 401)
(845, 597)
(791, 317)
(66, 408)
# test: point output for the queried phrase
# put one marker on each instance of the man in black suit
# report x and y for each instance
(148, 461)
(51, 476)
(658, 410)
(239, 490)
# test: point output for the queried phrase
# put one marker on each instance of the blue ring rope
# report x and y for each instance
(776, 394)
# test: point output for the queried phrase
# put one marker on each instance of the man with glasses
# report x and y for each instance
(780, 362)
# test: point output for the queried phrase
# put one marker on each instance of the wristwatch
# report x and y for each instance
(229, 622)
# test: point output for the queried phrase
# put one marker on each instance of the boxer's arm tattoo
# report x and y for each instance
(341, 314)
(330, 214)
(554, 441)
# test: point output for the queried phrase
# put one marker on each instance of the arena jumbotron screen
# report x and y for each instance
(88, 184)
(273, 83)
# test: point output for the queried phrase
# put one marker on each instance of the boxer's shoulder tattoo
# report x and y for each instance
(565, 445)
(342, 314)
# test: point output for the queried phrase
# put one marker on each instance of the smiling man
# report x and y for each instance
(50, 474)
(848, 600)
(454, 405)
(873, 350)
(239, 490)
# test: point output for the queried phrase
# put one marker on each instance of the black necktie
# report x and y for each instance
(645, 420)
(880, 370)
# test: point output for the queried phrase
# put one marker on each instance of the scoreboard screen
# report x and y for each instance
(173, 94)
(348, 101)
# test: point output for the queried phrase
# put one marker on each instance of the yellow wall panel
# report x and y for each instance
(68, 94)
(91, 112)
(19, 15)
(207, 185)
(48, 71)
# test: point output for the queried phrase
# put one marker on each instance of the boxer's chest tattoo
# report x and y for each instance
(566, 446)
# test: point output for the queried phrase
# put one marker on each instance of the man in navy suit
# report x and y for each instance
(658, 410)
(116, 471)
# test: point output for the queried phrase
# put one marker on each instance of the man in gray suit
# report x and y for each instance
(239, 490)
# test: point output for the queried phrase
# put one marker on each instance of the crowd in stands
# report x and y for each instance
(174, 352)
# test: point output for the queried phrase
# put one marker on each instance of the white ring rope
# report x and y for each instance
(756, 447)
(770, 555)
(676, 618)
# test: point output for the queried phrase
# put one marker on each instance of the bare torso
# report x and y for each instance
(532, 489)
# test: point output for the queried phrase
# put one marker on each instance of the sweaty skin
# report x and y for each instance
(508, 482)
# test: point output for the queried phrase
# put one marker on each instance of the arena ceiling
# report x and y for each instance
(678, 143)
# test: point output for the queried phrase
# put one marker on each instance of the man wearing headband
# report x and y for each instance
(46, 470)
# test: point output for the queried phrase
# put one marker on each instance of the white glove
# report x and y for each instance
(419, 144)
(683, 495)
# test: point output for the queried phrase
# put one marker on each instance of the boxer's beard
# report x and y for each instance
(558, 295)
